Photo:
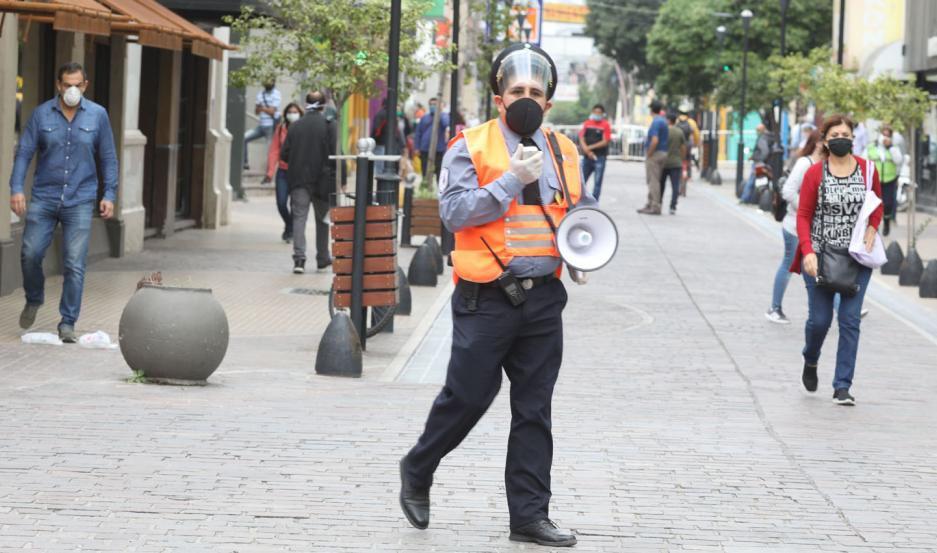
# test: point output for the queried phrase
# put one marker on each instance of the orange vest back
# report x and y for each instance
(523, 230)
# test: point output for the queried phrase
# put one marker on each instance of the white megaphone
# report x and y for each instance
(587, 239)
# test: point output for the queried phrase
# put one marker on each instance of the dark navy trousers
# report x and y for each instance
(527, 343)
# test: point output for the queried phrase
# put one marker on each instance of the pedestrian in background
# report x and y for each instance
(656, 144)
(831, 197)
(888, 159)
(673, 166)
(73, 139)
(758, 159)
(692, 135)
(424, 135)
(310, 175)
(276, 166)
(594, 137)
(267, 108)
(812, 152)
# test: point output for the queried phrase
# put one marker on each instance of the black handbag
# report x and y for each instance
(837, 271)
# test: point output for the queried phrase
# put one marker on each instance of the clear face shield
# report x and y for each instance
(524, 66)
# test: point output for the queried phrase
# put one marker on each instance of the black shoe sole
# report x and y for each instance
(530, 539)
(403, 508)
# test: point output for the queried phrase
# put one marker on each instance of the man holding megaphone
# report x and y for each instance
(507, 188)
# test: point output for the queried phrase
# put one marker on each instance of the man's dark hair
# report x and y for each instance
(72, 67)
(316, 97)
(656, 106)
(598, 106)
(672, 117)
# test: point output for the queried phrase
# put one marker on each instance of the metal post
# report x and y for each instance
(714, 176)
(740, 162)
(362, 193)
(842, 28)
(488, 24)
(387, 186)
(447, 239)
(405, 239)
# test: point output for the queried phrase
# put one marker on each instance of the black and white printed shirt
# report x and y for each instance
(839, 202)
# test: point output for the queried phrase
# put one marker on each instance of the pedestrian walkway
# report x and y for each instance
(679, 420)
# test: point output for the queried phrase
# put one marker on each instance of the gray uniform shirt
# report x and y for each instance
(464, 203)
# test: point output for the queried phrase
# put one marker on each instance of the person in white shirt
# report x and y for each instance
(267, 108)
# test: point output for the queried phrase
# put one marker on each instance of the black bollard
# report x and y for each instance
(422, 270)
(339, 352)
(437, 252)
(895, 258)
(715, 178)
(404, 297)
(911, 269)
(928, 287)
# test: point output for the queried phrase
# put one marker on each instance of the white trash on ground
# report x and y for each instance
(97, 340)
(45, 338)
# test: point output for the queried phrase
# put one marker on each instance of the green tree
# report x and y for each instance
(620, 30)
(683, 46)
(337, 45)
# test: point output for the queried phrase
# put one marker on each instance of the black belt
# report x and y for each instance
(526, 283)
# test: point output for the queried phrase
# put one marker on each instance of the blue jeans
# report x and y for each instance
(820, 302)
(254, 134)
(41, 220)
(674, 174)
(783, 276)
(598, 167)
(283, 201)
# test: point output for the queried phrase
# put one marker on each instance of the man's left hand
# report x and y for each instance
(869, 238)
(107, 209)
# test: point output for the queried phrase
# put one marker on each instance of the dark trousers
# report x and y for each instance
(283, 201)
(890, 198)
(300, 199)
(675, 174)
(525, 341)
(424, 163)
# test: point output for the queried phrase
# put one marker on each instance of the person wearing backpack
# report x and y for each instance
(691, 135)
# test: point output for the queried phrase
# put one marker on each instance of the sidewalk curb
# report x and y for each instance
(396, 366)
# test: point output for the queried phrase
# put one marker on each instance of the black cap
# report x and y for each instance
(496, 66)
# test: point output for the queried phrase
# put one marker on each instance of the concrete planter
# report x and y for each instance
(174, 335)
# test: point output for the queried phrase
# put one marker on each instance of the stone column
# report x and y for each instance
(9, 260)
(69, 46)
(217, 197)
(130, 219)
(166, 154)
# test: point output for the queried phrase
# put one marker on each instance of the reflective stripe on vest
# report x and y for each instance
(523, 230)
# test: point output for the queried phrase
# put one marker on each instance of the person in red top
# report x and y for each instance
(275, 165)
(594, 137)
(828, 219)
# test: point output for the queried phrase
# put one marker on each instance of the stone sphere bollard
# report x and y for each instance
(174, 335)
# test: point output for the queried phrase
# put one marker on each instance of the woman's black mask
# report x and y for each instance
(524, 116)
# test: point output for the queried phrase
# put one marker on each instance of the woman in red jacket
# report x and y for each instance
(842, 180)
(291, 114)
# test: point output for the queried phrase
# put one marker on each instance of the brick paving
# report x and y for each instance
(679, 419)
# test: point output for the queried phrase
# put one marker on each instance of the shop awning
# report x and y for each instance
(152, 23)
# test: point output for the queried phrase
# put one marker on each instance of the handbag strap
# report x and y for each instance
(826, 169)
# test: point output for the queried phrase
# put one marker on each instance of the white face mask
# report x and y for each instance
(72, 96)
(292, 117)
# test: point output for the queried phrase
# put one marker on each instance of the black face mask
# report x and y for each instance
(839, 147)
(524, 116)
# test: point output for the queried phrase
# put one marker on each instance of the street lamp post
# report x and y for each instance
(780, 118)
(714, 176)
(740, 154)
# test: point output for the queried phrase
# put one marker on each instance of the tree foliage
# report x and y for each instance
(683, 45)
(620, 30)
(337, 45)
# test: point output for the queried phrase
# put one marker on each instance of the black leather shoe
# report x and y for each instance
(809, 377)
(414, 501)
(544, 532)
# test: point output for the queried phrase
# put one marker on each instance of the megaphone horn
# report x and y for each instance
(587, 238)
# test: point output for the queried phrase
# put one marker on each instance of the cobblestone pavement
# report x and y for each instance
(679, 423)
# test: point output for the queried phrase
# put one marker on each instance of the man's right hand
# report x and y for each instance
(526, 170)
(18, 204)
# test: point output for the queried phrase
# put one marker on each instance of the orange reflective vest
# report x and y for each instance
(523, 230)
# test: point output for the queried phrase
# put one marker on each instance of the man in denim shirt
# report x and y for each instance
(73, 138)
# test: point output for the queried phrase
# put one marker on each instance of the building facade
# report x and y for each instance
(162, 80)
(920, 58)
